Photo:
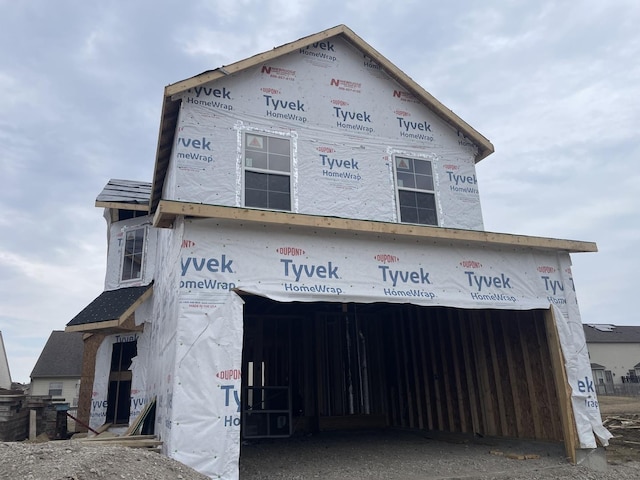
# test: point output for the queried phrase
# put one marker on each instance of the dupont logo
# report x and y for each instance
(340, 103)
(325, 149)
(277, 72)
(386, 258)
(272, 91)
(290, 251)
(451, 167)
(231, 374)
(402, 113)
(346, 85)
(470, 264)
(546, 269)
(187, 244)
(404, 96)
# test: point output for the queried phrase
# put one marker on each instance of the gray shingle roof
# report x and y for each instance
(110, 305)
(611, 333)
(61, 356)
(125, 191)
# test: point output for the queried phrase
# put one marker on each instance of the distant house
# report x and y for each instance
(58, 369)
(5, 375)
(614, 352)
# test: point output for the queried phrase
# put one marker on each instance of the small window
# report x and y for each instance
(133, 254)
(416, 195)
(55, 389)
(267, 172)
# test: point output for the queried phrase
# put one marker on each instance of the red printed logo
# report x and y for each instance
(290, 251)
(546, 269)
(325, 149)
(231, 374)
(386, 258)
(272, 91)
(341, 103)
(402, 113)
(188, 244)
(470, 264)
(451, 167)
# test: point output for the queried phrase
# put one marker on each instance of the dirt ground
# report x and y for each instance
(389, 455)
(621, 415)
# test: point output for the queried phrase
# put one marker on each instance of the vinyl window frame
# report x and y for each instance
(260, 165)
(135, 256)
(419, 177)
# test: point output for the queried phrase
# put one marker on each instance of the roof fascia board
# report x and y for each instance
(235, 67)
(143, 207)
(168, 211)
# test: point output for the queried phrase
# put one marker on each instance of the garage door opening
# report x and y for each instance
(312, 367)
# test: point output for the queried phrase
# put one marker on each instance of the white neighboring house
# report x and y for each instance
(5, 375)
(58, 369)
(614, 352)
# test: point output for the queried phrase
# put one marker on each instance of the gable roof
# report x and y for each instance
(171, 106)
(601, 333)
(61, 356)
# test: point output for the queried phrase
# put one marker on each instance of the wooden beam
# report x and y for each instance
(141, 207)
(562, 386)
(168, 211)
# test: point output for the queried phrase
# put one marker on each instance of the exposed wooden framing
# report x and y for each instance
(569, 430)
(513, 376)
(442, 342)
(531, 381)
(167, 211)
(436, 375)
(499, 393)
(469, 370)
(428, 368)
(426, 373)
(457, 370)
(415, 342)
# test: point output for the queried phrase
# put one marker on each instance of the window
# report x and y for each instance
(55, 389)
(416, 196)
(133, 254)
(267, 172)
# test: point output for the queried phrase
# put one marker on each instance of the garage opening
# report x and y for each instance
(311, 367)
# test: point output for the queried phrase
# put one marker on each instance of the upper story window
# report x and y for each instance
(267, 172)
(416, 194)
(133, 254)
(55, 389)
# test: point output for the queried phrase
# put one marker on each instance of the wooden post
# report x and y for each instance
(33, 432)
(562, 386)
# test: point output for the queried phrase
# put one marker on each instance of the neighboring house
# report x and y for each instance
(5, 374)
(58, 369)
(310, 255)
(614, 351)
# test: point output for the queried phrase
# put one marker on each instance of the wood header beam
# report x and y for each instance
(168, 211)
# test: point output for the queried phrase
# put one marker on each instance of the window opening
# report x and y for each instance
(416, 195)
(267, 172)
(119, 393)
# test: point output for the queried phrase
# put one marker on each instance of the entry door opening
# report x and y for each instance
(266, 398)
(119, 393)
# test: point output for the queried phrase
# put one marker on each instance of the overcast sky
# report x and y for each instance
(555, 86)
